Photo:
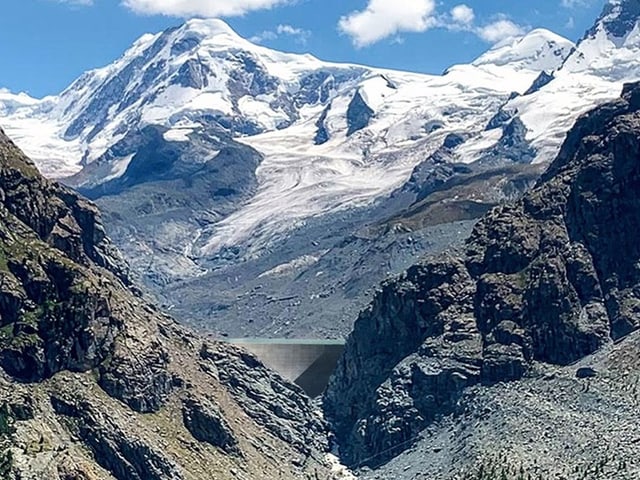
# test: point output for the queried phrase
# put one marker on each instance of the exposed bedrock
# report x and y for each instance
(550, 278)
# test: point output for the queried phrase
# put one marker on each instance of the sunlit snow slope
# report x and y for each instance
(332, 136)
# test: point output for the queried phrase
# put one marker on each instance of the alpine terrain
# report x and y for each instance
(263, 193)
(518, 354)
(472, 235)
(97, 383)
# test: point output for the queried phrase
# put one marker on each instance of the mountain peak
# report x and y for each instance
(208, 27)
(619, 17)
(610, 48)
(10, 101)
(198, 31)
(539, 49)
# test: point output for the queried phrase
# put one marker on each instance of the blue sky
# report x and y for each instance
(46, 44)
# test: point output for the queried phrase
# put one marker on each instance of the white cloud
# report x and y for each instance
(200, 8)
(290, 30)
(463, 14)
(386, 18)
(499, 30)
(462, 18)
(263, 36)
(299, 34)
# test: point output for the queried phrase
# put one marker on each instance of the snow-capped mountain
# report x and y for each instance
(610, 48)
(10, 102)
(372, 136)
(539, 50)
(201, 72)
(331, 135)
(223, 149)
(594, 72)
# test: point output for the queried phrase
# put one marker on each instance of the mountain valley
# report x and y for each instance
(217, 161)
(470, 237)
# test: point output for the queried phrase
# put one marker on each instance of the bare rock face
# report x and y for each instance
(265, 398)
(205, 422)
(409, 358)
(125, 455)
(96, 383)
(551, 278)
(56, 215)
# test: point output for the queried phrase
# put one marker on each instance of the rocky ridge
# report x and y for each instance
(97, 383)
(557, 423)
(547, 280)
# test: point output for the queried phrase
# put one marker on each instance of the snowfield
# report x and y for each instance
(297, 112)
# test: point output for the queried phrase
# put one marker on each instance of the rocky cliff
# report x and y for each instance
(547, 280)
(96, 383)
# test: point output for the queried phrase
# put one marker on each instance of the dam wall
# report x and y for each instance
(307, 363)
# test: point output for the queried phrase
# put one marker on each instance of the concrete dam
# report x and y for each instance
(307, 363)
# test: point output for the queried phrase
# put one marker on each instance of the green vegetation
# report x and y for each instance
(500, 468)
(7, 429)
(494, 469)
(6, 333)
(12, 158)
(32, 317)
(23, 341)
(4, 261)
(521, 278)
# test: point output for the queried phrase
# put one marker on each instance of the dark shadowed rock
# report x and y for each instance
(586, 372)
(550, 278)
(358, 114)
(541, 80)
(206, 423)
(192, 74)
(322, 134)
(513, 146)
(101, 385)
(618, 18)
(127, 457)
(499, 120)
